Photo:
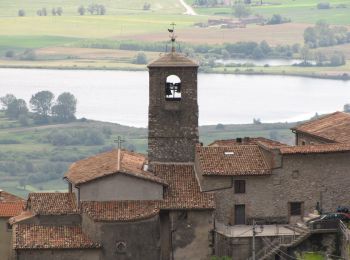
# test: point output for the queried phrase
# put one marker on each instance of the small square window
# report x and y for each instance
(239, 186)
(295, 208)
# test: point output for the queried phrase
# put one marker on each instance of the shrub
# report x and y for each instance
(21, 13)
(140, 58)
(10, 54)
(323, 6)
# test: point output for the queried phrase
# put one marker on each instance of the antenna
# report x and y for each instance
(172, 36)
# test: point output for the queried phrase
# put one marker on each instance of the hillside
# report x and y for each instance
(35, 158)
(95, 41)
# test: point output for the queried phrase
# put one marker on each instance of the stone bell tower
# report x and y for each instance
(173, 108)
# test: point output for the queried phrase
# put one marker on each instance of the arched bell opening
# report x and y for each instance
(173, 88)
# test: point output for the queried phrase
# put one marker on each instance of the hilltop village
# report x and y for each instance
(245, 198)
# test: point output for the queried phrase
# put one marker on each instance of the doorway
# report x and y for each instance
(240, 214)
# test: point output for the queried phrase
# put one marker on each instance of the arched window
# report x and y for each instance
(173, 88)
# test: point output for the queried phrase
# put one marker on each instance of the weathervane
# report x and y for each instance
(119, 141)
(172, 36)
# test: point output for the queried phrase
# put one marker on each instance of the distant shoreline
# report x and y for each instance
(344, 77)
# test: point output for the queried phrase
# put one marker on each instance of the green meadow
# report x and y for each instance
(299, 11)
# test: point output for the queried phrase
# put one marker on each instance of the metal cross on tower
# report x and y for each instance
(172, 36)
(119, 141)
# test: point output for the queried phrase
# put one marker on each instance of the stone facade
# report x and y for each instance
(302, 178)
(307, 139)
(172, 125)
(126, 240)
(5, 239)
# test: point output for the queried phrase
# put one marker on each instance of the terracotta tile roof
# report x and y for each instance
(183, 191)
(319, 148)
(268, 143)
(173, 59)
(109, 163)
(50, 237)
(120, 210)
(8, 197)
(334, 127)
(52, 203)
(10, 209)
(233, 160)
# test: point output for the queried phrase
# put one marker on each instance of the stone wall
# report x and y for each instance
(126, 240)
(191, 236)
(312, 178)
(304, 139)
(172, 125)
(120, 187)
(5, 240)
(58, 254)
(257, 200)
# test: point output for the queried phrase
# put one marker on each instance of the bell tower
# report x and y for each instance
(173, 108)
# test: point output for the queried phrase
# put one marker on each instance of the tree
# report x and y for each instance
(146, 6)
(10, 54)
(44, 11)
(347, 108)
(41, 104)
(140, 58)
(59, 11)
(21, 13)
(257, 53)
(240, 10)
(265, 47)
(65, 108)
(16, 108)
(320, 58)
(81, 10)
(101, 10)
(337, 59)
(53, 11)
(305, 54)
(6, 100)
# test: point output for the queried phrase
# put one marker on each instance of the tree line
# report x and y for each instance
(44, 108)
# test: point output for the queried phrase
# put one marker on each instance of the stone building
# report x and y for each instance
(255, 179)
(124, 205)
(10, 205)
(332, 128)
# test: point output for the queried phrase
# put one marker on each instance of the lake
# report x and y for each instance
(122, 96)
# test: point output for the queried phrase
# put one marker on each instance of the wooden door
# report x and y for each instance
(240, 214)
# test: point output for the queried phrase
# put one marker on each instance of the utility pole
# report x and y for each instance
(119, 141)
(255, 232)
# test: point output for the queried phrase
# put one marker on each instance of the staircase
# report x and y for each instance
(280, 242)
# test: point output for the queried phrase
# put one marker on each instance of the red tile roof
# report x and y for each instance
(8, 197)
(50, 237)
(333, 127)
(108, 163)
(10, 209)
(268, 143)
(236, 160)
(183, 191)
(52, 203)
(120, 210)
(318, 148)
(172, 59)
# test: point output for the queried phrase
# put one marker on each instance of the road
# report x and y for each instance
(189, 9)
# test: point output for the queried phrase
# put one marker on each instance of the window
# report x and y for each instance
(239, 186)
(295, 208)
(173, 88)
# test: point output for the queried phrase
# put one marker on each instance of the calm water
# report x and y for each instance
(122, 97)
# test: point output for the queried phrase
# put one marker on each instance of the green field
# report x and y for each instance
(29, 153)
(304, 11)
(115, 7)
